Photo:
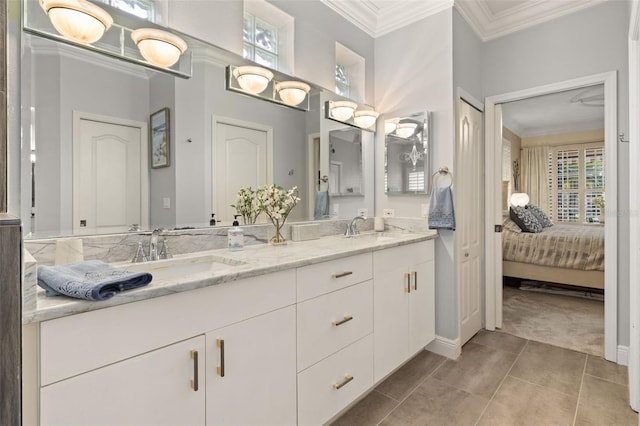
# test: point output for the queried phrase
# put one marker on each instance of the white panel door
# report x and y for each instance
(156, 388)
(469, 233)
(241, 158)
(109, 192)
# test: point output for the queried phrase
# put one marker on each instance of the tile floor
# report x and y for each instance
(499, 379)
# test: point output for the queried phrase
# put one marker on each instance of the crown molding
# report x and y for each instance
(363, 14)
(489, 26)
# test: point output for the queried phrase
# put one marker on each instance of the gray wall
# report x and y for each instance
(467, 57)
(588, 42)
(414, 73)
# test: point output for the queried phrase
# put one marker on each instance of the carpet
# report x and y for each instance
(560, 320)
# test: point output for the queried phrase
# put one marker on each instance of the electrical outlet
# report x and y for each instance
(363, 212)
(388, 212)
(424, 210)
(166, 203)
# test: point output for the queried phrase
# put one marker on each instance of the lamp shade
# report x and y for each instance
(343, 110)
(158, 47)
(404, 130)
(292, 92)
(390, 127)
(365, 118)
(519, 199)
(77, 20)
(253, 79)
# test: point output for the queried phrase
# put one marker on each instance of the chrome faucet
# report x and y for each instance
(352, 228)
(153, 244)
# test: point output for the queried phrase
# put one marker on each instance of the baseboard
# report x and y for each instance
(445, 347)
(623, 355)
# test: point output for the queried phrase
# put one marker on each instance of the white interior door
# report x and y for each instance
(110, 178)
(470, 196)
(242, 157)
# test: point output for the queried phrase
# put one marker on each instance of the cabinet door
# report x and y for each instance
(391, 312)
(156, 388)
(421, 306)
(251, 371)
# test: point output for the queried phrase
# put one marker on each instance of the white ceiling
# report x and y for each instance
(488, 18)
(565, 112)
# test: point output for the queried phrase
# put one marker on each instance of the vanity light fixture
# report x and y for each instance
(519, 199)
(365, 118)
(292, 92)
(342, 110)
(390, 127)
(404, 130)
(158, 47)
(252, 79)
(77, 20)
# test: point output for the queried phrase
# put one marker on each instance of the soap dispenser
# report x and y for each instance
(235, 235)
(212, 222)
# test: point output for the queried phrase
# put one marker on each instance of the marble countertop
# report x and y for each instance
(253, 260)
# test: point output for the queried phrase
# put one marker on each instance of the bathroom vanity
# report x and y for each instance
(277, 335)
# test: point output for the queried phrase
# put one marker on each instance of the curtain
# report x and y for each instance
(535, 180)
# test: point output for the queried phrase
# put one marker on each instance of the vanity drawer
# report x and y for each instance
(322, 278)
(330, 322)
(320, 394)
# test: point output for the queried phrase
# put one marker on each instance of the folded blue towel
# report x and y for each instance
(441, 213)
(321, 206)
(90, 280)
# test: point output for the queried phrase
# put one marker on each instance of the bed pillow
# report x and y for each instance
(525, 219)
(510, 225)
(542, 217)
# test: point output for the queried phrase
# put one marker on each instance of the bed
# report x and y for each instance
(565, 254)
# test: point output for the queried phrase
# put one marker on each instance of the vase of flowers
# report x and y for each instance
(247, 206)
(277, 203)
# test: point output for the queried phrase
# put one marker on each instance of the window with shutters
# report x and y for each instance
(576, 182)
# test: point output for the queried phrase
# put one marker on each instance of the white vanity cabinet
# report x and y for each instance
(404, 320)
(162, 387)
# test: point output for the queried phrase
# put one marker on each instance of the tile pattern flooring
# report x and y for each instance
(499, 379)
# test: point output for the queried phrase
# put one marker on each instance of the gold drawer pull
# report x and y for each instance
(220, 368)
(347, 379)
(415, 280)
(407, 289)
(346, 318)
(194, 381)
(342, 274)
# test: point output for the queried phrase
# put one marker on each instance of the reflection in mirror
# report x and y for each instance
(345, 162)
(407, 154)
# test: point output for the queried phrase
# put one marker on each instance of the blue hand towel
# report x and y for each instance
(90, 280)
(321, 206)
(441, 213)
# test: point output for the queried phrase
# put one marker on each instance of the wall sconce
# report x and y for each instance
(365, 118)
(252, 79)
(519, 199)
(342, 110)
(405, 130)
(292, 92)
(158, 47)
(77, 20)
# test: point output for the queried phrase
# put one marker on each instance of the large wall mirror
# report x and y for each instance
(215, 138)
(407, 154)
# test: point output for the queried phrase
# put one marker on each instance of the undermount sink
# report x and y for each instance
(183, 266)
(376, 236)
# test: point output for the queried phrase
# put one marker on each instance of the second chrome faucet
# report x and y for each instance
(352, 228)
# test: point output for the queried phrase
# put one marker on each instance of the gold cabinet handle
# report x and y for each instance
(220, 368)
(346, 318)
(341, 274)
(347, 379)
(194, 381)
(407, 277)
(415, 280)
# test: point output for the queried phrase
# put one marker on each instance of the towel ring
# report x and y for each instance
(442, 171)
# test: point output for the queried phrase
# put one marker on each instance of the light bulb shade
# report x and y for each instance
(77, 20)
(519, 199)
(252, 79)
(404, 130)
(292, 92)
(342, 110)
(390, 127)
(159, 48)
(365, 118)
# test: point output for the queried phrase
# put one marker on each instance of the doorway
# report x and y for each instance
(493, 154)
(110, 174)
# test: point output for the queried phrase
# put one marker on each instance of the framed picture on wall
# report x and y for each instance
(160, 141)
